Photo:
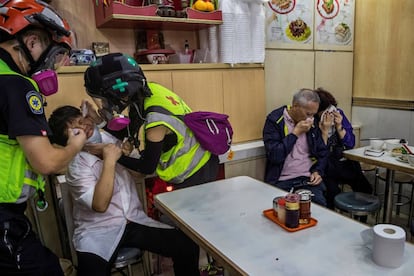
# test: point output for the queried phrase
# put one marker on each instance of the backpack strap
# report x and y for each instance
(160, 109)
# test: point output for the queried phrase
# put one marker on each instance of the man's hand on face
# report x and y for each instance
(302, 127)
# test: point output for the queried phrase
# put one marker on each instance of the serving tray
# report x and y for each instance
(270, 214)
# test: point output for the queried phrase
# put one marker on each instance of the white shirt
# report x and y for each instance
(95, 232)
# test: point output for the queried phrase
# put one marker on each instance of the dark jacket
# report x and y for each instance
(278, 144)
(336, 145)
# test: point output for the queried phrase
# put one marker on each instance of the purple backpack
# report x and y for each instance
(212, 130)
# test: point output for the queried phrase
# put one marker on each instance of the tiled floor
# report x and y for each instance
(165, 266)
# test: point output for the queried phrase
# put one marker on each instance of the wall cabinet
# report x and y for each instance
(253, 167)
(163, 78)
(288, 71)
(244, 101)
(238, 92)
(200, 89)
(71, 91)
(334, 72)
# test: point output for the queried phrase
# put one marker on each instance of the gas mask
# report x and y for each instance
(44, 69)
(115, 121)
(47, 81)
(118, 122)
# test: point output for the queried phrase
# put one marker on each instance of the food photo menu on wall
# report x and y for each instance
(310, 24)
(334, 25)
(289, 24)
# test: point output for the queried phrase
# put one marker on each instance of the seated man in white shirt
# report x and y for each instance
(107, 213)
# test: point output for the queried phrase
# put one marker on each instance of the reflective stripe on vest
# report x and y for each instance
(187, 156)
(15, 171)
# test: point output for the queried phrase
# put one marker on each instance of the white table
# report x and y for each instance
(225, 218)
(391, 165)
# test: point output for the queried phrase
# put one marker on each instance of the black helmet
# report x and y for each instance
(117, 78)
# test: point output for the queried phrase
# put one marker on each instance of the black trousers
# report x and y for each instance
(348, 172)
(206, 174)
(166, 242)
(21, 252)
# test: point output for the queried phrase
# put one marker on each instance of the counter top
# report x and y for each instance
(167, 67)
(244, 151)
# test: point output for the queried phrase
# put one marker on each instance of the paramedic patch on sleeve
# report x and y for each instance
(35, 102)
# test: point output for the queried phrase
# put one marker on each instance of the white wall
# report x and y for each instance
(384, 123)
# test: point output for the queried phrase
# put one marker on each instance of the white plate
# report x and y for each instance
(346, 41)
(277, 9)
(374, 153)
(399, 158)
(374, 150)
(326, 15)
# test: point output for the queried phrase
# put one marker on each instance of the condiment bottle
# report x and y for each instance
(292, 210)
(275, 205)
(281, 211)
(186, 47)
(304, 206)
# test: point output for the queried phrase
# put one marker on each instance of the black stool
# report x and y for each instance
(366, 168)
(127, 256)
(412, 228)
(357, 204)
(401, 178)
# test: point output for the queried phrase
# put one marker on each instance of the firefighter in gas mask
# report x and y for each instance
(34, 41)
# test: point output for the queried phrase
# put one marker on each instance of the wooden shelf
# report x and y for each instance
(118, 15)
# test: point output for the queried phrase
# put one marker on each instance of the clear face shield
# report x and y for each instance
(56, 57)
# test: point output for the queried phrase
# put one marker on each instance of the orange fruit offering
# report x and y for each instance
(209, 6)
(200, 5)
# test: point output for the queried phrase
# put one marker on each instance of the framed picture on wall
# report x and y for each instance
(334, 25)
(289, 24)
